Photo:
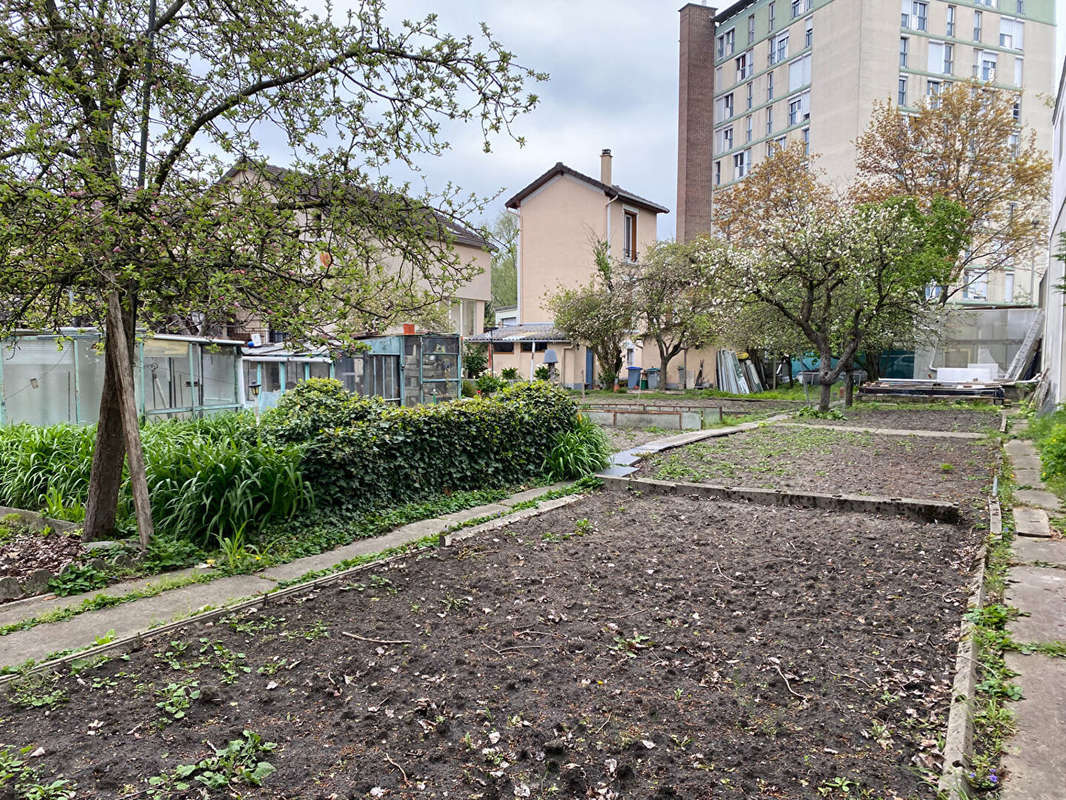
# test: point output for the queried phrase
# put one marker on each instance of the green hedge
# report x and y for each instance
(316, 405)
(409, 453)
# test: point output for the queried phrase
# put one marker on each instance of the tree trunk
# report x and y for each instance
(849, 389)
(109, 453)
(118, 353)
(873, 365)
(664, 363)
(827, 385)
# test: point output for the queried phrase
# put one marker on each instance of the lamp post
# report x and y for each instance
(253, 391)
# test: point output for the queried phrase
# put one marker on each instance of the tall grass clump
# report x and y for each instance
(579, 452)
(33, 459)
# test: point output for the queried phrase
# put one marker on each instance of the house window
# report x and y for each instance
(772, 4)
(941, 55)
(1019, 64)
(1011, 33)
(901, 92)
(730, 42)
(799, 73)
(921, 15)
(807, 141)
(1012, 142)
(950, 28)
(751, 28)
(808, 38)
(751, 88)
(949, 58)
(748, 132)
(718, 173)
(903, 43)
(728, 103)
(769, 86)
(797, 5)
(987, 62)
(977, 21)
(769, 120)
(629, 247)
(741, 163)
(727, 139)
(1008, 283)
(721, 45)
(799, 109)
(975, 286)
(1016, 111)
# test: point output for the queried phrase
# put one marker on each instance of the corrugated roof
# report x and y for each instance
(527, 332)
(611, 190)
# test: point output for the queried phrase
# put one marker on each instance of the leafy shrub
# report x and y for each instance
(490, 384)
(410, 453)
(166, 553)
(812, 412)
(509, 373)
(78, 578)
(579, 452)
(469, 388)
(315, 405)
(475, 359)
(1053, 452)
(542, 373)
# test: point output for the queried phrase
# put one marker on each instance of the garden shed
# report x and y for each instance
(48, 378)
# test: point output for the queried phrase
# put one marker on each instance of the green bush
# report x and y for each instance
(1053, 452)
(509, 373)
(411, 453)
(489, 384)
(469, 388)
(315, 405)
(475, 359)
(579, 452)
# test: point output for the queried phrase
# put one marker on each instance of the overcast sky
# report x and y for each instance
(613, 67)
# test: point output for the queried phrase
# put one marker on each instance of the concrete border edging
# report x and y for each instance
(926, 510)
(958, 743)
(448, 539)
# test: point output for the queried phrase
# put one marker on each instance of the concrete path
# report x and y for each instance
(137, 616)
(1036, 586)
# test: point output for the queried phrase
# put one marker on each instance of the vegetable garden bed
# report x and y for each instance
(809, 459)
(927, 419)
(621, 647)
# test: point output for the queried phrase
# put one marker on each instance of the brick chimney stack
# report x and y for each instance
(605, 166)
(695, 126)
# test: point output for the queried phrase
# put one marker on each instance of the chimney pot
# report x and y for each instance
(605, 166)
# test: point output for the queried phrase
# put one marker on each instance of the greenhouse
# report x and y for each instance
(47, 378)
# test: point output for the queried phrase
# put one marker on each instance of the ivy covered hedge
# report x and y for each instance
(403, 454)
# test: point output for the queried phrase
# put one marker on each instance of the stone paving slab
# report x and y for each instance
(1028, 477)
(127, 619)
(1032, 522)
(1022, 461)
(532, 494)
(1034, 763)
(1047, 551)
(1037, 498)
(35, 606)
(1039, 593)
(1020, 447)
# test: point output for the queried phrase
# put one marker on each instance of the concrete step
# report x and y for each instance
(1032, 522)
(1020, 447)
(1037, 498)
(1044, 551)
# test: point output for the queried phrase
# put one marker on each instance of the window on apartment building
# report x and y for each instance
(772, 20)
(1008, 287)
(727, 103)
(718, 173)
(1013, 142)
(751, 89)
(748, 131)
(978, 19)
(721, 45)
(1021, 7)
(1011, 33)
(799, 109)
(808, 36)
(932, 91)
(745, 65)
(779, 48)
(988, 3)
(941, 56)
(724, 139)
(741, 163)
(797, 6)
(807, 141)
(985, 69)
(901, 91)
(751, 28)
(769, 120)
(921, 16)
(770, 85)
(904, 44)
(1016, 111)
(799, 73)
(949, 29)
(808, 5)
(1019, 68)
(730, 42)
(629, 231)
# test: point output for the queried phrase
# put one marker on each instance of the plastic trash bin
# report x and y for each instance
(653, 378)
(634, 377)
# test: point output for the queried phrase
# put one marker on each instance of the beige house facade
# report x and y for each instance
(812, 70)
(1053, 351)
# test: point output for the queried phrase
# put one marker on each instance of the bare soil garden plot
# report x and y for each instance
(916, 419)
(836, 462)
(625, 438)
(621, 647)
